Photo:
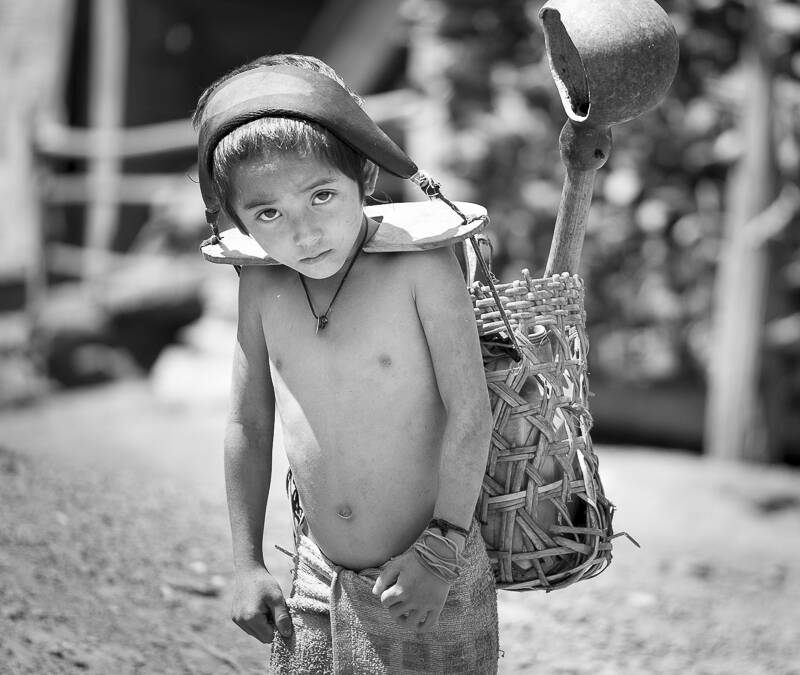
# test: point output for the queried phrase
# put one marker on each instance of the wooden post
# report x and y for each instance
(735, 426)
(109, 53)
(35, 40)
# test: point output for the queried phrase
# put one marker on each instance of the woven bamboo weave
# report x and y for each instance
(545, 519)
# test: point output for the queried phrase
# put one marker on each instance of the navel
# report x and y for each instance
(344, 512)
(278, 364)
(385, 360)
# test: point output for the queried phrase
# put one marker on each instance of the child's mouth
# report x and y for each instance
(316, 258)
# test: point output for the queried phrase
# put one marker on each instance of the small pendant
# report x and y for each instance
(321, 323)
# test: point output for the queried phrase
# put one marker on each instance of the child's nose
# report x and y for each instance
(307, 234)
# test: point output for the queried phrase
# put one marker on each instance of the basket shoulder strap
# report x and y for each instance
(431, 187)
(473, 270)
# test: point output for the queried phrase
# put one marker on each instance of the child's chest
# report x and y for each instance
(372, 338)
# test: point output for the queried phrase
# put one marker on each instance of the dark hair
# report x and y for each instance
(280, 134)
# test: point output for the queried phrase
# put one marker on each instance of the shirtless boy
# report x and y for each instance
(373, 364)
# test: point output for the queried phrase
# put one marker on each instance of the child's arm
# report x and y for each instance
(448, 320)
(258, 603)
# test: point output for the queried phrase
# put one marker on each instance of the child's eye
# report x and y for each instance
(322, 197)
(268, 215)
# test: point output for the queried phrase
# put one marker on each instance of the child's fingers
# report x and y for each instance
(386, 579)
(392, 596)
(399, 610)
(283, 622)
(428, 623)
(258, 626)
(410, 619)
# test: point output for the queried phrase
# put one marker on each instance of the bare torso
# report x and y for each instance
(359, 406)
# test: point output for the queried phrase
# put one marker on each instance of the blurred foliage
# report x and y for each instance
(657, 217)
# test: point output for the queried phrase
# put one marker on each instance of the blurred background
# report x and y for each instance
(691, 259)
(97, 167)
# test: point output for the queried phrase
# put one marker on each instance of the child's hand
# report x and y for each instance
(413, 596)
(258, 605)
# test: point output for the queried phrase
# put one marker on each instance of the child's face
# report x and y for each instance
(306, 214)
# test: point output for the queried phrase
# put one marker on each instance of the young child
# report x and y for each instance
(373, 364)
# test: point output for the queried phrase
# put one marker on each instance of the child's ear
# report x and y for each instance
(369, 177)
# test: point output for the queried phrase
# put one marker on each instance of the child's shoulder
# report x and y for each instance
(418, 261)
(420, 266)
(254, 280)
(432, 273)
(261, 274)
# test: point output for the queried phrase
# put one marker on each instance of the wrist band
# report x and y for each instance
(445, 526)
(444, 568)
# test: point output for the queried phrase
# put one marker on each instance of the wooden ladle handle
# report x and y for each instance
(584, 149)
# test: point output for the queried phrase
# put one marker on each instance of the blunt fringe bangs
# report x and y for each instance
(282, 136)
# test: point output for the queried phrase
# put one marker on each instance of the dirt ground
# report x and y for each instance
(114, 555)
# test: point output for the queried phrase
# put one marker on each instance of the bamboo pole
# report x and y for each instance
(56, 139)
(152, 189)
(68, 260)
(735, 425)
(109, 52)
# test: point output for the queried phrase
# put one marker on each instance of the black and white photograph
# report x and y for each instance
(383, 337)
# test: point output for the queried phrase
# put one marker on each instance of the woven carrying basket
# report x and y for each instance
(545, 519)
(544, 516)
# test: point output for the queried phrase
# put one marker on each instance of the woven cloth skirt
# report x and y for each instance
(340, 627)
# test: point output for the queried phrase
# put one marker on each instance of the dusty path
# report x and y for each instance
(114, 555)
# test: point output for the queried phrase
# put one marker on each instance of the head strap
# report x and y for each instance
(289, 91)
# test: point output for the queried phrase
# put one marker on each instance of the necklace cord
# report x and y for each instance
(322, 319)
